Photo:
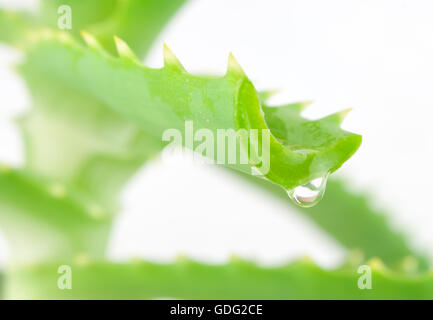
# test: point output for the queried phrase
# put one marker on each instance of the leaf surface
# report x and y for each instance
(238, 279)
(161, 99)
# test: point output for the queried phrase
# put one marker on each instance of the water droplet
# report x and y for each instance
(309, 194)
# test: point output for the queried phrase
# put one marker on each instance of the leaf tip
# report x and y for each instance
(343, 114)
(82, 259)
(266, 95)
(306, 260)
(170, 60)
(4, 168)
(88, 38)
(355, 257)
(376, 264)
(305, 104)
(233, 66)
(410, 264)
(124, 50)
(337, 117)
(234, 259)
(135, 260)
(182, 259)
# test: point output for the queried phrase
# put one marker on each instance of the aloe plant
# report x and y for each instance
(98, 115)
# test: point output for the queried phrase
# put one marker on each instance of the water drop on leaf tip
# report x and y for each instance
(309, 194)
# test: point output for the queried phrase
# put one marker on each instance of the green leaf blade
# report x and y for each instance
(161, 99)
(238, 279)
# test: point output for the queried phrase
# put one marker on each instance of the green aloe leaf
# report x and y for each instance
(161, 99)
(318, 137)
(13, 25)
(84, 14)
(354, 222)
(69, 136)
(238, 279)
(136, 21)
(75, 140)
(46, 221)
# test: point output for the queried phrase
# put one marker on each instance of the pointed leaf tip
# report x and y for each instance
(170, 60)
(376, 264)
(305, 104)
(410, 264)
(336, 118)
(342, 114)
(4, 168)
(266, 95)
(90, 40)
(124, 50)
(82, 259)
(182, 259)
(234, 67)
(306, 260)
(235, 258)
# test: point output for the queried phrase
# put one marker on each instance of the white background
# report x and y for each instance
(375, 56)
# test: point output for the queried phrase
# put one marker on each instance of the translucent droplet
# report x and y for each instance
(309, 194)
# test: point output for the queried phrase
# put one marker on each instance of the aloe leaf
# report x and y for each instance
(352, 220)
(349, 217)
(85, 14)
(69, 136)
(238, 279)
(312, 136)
(75, 140)
(13, 26)
(47, 221)
(136, 21)
(161, 99)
